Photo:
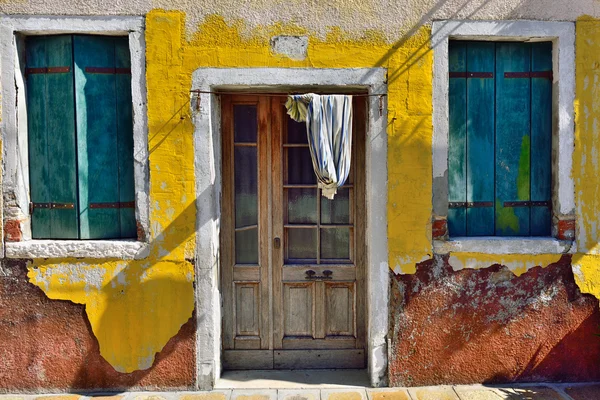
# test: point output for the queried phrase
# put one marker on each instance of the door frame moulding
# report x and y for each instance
(207, 166)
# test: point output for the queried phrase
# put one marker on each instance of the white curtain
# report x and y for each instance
(329, 130)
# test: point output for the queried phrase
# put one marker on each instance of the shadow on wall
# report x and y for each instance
(131, 314)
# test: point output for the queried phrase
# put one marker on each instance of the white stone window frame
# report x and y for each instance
(562, 36)
(13, 127)
(207, 159)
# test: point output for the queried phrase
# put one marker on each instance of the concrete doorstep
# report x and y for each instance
(578, 391)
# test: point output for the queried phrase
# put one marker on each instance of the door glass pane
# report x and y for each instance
(302, 243)
(296, 132)
(336, 211)
(245, 124)
(246, 246)
(246, 186)
(335, 243)
(302, 206)
(300, 169)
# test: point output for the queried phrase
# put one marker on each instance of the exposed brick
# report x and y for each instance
(566, 229)
(12, 230)
(439, 228)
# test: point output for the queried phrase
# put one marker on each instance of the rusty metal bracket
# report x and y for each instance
(107, 70)
(526, 204)
(53, 206)
(128, 204)
(47, 70)
(470, 204)
(471, 74)
(527, 74)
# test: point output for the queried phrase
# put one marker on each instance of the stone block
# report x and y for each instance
(299, 394)
(265, 394)
(388, 394)
(343, 394)
(584, 392)
(433, 393)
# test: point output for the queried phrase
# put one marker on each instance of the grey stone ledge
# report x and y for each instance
(505, 245)
(95, 249)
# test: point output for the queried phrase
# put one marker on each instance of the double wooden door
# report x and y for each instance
(292, 261)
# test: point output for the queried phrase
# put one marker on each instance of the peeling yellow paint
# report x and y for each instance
(518, 264)
(586, 168)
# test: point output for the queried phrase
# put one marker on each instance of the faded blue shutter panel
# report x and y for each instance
(51, 137)
(98, 164)
(480, 138)
(457, 140)
(513, 141)
(125, 138)
(541, 138)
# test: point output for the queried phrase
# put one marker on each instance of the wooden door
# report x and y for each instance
(292, 261)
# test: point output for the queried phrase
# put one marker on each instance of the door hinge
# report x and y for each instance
(54, 206)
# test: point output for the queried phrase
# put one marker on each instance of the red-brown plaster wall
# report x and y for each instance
(489, 326)
(48, 345)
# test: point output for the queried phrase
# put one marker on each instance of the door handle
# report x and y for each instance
(277, 243)
(312, 275)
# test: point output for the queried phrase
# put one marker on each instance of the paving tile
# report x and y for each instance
(585, 392)
(298, 394)
(59, 397)
(148, 396)
(343, 394)
(388, 394)
(433, 393)
(213, 395)
(529, 393)
(258, 394)
(476, 393)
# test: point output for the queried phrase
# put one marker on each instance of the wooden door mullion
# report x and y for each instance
(263, 218)
(277, 220)
(227, 226)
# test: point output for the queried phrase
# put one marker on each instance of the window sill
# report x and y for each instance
(504, 245)
(96, 249)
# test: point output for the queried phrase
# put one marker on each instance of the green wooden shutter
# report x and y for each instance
(541, 138)
(513, 140)
(457, 141)
(500, 139)
(51, 131)
(125, 138)
(480, 138)
(104, 137)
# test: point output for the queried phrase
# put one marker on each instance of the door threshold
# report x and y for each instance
(294, 379)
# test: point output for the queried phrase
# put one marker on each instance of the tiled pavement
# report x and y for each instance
(474, 392)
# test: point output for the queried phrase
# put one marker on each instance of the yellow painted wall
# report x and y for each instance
(135, 307)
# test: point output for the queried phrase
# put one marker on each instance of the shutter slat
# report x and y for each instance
(125, 137)
(96, 137)
(513, 103)
(541, 138)
(51, 131)
(480, 137)
(457, 184)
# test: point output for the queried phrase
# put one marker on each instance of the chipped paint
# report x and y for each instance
(518, 264)
(586, 168)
